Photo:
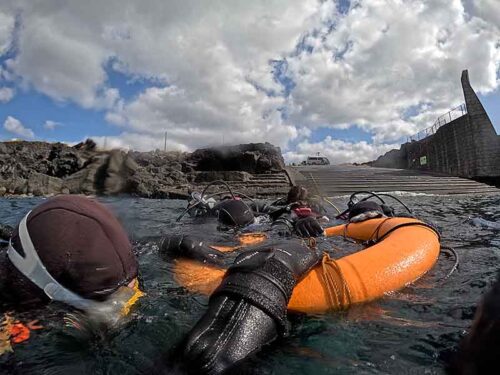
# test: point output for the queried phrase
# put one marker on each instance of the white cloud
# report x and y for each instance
(7, 22)
(488, 10)
(15, 126)
(389, 66)
(217, 66)
(51, 125)
(138, 142)
(195, 122)
(338, 151)
(6, 94)
(376, 64)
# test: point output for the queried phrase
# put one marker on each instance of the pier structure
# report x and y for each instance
(339, 180)
(455, 155)
(461, 143)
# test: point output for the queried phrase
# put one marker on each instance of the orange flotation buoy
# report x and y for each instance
(244, 239)
(404, 250)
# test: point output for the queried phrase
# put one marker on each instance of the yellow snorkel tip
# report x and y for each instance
(133, 299)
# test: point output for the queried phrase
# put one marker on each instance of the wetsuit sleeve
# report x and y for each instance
(248, 310)
(189, 247)
(283, 225)
(259, 207)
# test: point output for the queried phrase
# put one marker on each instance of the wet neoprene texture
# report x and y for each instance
(234, 212)
(189, 247)
(82, 245)
(248, 310)
(364, 206)
(308, 227)
(478, 351)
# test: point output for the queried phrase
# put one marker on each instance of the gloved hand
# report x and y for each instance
(283, 226)
(248, 310)
(189, 247)
(308, 227)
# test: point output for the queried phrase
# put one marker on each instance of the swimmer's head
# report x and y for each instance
(478, 350)
(365, 210)
(297, 194)
(70, 248)
(233, 213)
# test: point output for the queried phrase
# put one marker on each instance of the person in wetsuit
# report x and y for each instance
(235, 214)
(478, 351)
(69, 249)
(297, 200)
(249, 308)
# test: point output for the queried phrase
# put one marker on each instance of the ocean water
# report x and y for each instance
(412, 331)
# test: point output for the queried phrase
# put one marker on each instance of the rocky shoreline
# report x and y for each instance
(45, 169)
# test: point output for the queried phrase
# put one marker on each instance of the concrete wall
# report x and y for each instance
(467, 146)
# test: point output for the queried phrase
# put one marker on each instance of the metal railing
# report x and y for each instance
(440, 121)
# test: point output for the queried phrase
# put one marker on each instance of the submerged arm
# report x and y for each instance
(248, 310)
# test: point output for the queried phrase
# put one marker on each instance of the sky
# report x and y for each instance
(348, 79)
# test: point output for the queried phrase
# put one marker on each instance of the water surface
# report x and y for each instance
(411, 331)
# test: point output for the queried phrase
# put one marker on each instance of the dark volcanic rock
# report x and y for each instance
(85, 180)
(119, 168)
(158, 174)
(42, 184)
(210, 176)
(64, 161)
(252, 158)
(41, 168)
(88, 145)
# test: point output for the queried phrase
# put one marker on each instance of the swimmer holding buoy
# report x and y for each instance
(249, 300)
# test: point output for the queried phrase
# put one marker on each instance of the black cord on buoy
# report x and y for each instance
(455, 264)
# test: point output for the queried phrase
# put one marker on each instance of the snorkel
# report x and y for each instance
(110, 311)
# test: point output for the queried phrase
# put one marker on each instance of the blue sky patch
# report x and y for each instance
(352, 135)
(491, 104)
(33, 109)
(128, 86)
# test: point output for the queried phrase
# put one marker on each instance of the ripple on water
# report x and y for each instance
(412, 330)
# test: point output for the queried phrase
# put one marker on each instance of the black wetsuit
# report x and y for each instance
(249, 308)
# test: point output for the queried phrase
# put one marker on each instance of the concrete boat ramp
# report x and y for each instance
(335, 180)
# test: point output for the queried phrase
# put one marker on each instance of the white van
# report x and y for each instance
(317, 160)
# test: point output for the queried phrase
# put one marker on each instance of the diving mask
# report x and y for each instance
(32, 267)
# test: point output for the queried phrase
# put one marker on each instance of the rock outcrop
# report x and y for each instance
(40, 168)
(251, 158)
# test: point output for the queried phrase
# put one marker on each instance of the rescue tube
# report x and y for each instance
(404, 249)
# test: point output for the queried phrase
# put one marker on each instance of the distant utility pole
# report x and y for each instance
(105, 142)
(165, 146)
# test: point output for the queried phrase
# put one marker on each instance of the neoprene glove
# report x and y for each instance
(308, 227)
(248, 310)
(283, 226)
(189, 247)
